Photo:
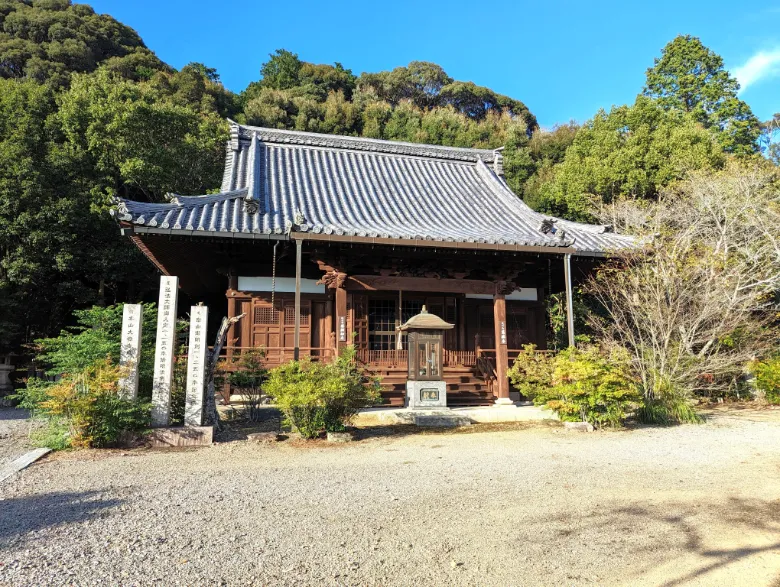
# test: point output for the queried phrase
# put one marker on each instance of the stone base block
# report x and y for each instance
(425, 395)
(339, 437)
(504, 402)
(445, 420)
(182, 436)
(579, 426)
(263, 437)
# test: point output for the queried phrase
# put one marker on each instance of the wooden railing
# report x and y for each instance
(276, 355)
(399, 357)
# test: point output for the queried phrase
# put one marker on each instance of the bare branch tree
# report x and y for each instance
(694, 303)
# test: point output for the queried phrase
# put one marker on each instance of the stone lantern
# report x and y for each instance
(425, 386)
(6, 368)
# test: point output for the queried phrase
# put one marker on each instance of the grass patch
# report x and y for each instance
(668, 412)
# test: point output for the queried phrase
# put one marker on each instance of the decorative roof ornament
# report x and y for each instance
(547, 226)
(426, 321)
(120, 210)
(498, 162)
(251, 206)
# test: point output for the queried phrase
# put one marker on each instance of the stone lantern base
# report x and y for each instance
(424, 395)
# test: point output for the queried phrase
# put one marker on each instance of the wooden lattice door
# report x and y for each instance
(288, 325)
(266, 325)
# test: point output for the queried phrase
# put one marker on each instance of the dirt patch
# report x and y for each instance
(503, 504)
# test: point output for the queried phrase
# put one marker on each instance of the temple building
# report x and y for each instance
(324, 241)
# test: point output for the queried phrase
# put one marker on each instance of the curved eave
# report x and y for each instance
(334, 238)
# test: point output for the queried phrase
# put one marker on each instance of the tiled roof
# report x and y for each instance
(279, 181)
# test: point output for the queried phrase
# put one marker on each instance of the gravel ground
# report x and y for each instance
(14, 432)
(494, 505)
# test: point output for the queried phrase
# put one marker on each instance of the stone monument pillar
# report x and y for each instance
(130, 351)
(164, 349)
(196, 366)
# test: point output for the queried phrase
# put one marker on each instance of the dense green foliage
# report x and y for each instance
(48, 40)
(96, 336)
(88, 113)
(767, 375)
(690, 78)
(317, 396)
(587, 385)
(632, 151)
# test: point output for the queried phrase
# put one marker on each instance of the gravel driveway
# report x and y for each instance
(14, 434)
(691, 505)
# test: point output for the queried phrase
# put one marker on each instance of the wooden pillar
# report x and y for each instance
(569, 300)
(398, 322)
(342, 335)
(328, 326)
(502, 357)
(233, 310)
(297, 335)
(461, 322)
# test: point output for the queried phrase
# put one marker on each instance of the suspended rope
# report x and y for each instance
(273, 279)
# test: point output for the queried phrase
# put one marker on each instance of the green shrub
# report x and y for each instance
(97, 335)
(315, 395)
(666, 405)
(247, 379)
(84, 409)
(580, 385)
(768, 379)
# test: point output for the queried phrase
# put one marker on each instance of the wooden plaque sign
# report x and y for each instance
(503, 332)
(164, 349)
(196, 366)
(130, 350)
(343, 328)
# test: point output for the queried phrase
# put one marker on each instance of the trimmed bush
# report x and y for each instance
(585, 385)
(317, 396)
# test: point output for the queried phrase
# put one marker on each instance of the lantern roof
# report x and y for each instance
(426, 321)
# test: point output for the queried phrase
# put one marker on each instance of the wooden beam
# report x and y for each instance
(424, 284)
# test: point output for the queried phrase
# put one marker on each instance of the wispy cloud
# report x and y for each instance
(761, 65)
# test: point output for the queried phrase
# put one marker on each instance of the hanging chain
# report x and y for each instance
(273, 279)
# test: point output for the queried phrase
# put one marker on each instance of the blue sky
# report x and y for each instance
(565, 60)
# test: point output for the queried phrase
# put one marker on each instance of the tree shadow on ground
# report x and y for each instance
(683, 530)
(22, 515)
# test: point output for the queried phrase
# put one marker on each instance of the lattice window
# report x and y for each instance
(289, 316)
(266, 315)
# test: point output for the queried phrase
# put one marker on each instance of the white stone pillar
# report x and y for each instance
(130, 350)
(164, 349)
(196, 366)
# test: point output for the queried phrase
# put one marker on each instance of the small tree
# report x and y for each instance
(248, 378)
(694, 303)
